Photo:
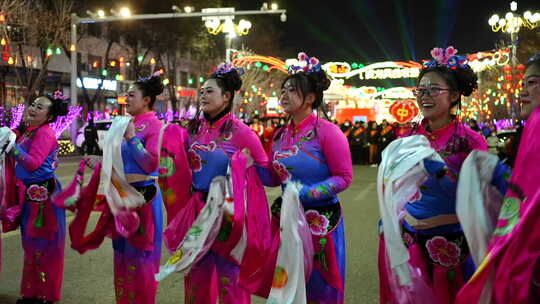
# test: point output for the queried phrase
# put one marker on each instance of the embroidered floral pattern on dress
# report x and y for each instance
(37, 193)
(140, 128)
(509, 216)
(286, 153)
(318, 223)
(195, 161)
(205, 148)
(321, 190)
(309, 136)
(166, 166)
(282, 171)
(443, 252)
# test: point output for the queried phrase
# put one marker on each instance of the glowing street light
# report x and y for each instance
(214, 27)
(513, 21)
(189, 9)
(511, 24)
(274, 7)
(125, 12)
(101, 13)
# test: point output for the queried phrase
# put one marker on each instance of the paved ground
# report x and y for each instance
(88, 278)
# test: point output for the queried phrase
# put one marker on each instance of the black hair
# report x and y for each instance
(460, 79)
(59, 106)
(227, 82)
(305, 83)
(151, 87)
(534, 60)
(309, 82)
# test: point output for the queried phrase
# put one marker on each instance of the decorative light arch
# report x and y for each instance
(272, 62)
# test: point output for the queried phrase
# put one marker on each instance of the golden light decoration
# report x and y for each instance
(66, 147)
(215, 26)
(512, 21)
(274, 63)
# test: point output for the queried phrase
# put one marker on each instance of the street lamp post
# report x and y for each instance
(511, 24)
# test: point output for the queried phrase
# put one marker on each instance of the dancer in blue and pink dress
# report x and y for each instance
(314, 152)
(213, 139)
(43, 225)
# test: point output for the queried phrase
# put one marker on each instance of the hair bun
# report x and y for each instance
(59, 103)
(467, 80)
(320, 80)
(61, 107)
(231, 79)
(154, 85)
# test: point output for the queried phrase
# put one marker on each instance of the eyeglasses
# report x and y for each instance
(430, 92)
(531, 82)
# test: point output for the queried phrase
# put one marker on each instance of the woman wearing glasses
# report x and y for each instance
(429, 223)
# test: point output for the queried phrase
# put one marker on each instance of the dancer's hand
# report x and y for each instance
(130, 131)
(249, 157)
(92, 161)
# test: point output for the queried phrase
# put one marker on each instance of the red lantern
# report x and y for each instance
(521, 67)
(404, 110)
(508, 77)
(507, 69)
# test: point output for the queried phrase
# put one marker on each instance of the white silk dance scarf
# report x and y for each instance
(400, 175)
(290, 260)
(478, 202)
(119, 193)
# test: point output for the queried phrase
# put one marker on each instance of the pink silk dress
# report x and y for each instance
(43, 225)
(441, 249)
(510, 272)
(216, 277)
(315, 153)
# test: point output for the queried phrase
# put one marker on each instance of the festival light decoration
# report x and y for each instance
(16, 116)
(66, 147)
(404, 110)
(380, 70)
(272, 62)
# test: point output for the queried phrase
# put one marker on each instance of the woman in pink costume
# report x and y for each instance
(214, 137)
(136, 258)
(314, 152)
(430, 227)
(136, 244)
(510, 272)
(43, 226)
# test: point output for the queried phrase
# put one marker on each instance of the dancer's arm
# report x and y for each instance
(43, 142)
(337, 154)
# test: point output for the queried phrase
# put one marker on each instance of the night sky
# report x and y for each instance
(379, 30)
(362, 31)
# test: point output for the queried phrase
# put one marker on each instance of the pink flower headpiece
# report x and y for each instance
(155, 74)
(225, 68)
(58, 95)
(447, 57)
(305, 64)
